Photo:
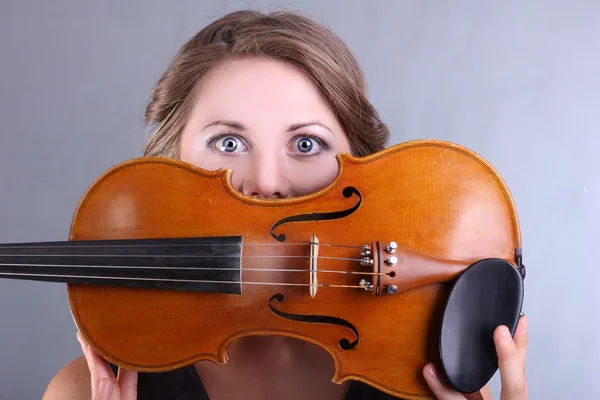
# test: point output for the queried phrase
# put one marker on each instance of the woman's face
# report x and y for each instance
(266, 121)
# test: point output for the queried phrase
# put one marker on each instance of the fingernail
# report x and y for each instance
(82, 343)
(504, 333)
(431, 371)
(523, 322)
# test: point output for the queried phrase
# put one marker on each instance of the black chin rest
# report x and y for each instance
(487, 294)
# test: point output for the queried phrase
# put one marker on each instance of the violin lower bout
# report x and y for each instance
(382, 341)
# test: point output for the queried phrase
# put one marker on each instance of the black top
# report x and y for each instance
(185, 384)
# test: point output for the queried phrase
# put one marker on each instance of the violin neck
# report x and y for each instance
(211, 264)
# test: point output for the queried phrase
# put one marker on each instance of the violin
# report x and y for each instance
(412, 254)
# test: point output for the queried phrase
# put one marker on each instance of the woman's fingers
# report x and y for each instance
(102, 378)
(88, 358)
(127, 381)
(105, 386)
(522, 338)
(105, 391)
(440, 388)
(511, 360)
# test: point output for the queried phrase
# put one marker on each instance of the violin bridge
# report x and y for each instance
(314, 255)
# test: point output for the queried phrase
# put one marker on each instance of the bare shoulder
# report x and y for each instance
(71, 382)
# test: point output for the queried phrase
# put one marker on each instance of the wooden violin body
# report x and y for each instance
(378, 317)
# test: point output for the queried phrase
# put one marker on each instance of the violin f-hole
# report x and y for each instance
(344, 343)
(347, 192)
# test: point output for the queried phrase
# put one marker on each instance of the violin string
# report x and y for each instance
(183, 280)
(173, 256)
(187, 268)
(100, 246)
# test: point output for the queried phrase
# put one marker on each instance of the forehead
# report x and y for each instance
(258, 87)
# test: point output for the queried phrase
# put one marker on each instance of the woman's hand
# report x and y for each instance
(511, 362)
(104, 384)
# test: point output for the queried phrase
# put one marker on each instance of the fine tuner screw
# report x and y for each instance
(392, 289)
(366, 261)
(392, 261)
(366, 250)
(392, 247)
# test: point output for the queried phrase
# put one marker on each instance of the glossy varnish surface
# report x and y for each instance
(433, 198)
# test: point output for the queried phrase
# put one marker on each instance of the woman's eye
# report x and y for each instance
(228, 144)
(305, 145)
(308, 145)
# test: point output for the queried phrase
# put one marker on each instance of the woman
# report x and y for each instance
(274, 98)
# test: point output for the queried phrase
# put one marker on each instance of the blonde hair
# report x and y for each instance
(284, 36)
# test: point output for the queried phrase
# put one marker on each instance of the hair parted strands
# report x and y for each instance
(283, 36)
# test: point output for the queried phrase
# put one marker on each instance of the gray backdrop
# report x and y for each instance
(516, 81)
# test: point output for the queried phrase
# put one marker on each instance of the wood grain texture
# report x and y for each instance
(445, 206)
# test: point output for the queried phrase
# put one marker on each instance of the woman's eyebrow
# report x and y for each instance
(230, 124)
(240, 127)
(295, 127)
